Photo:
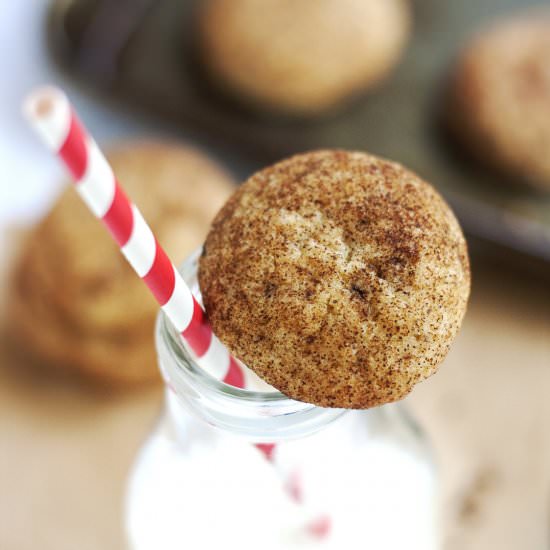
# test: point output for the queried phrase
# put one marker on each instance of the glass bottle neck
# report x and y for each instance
(259, 416)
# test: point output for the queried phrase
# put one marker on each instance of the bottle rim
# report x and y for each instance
(262, 414)
(184, 361)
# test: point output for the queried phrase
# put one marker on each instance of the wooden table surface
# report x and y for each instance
(65, 452)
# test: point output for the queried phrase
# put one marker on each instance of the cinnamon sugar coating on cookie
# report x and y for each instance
(340, 278)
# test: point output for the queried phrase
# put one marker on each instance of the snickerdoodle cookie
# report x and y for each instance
(76, 304)
(301, 57)
(499, 103)
(340, 278)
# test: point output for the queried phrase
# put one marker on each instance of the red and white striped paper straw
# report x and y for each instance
(51, 115)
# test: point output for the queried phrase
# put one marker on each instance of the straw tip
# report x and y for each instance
(41, 102)
(48, 112)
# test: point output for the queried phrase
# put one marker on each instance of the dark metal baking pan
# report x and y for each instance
(142, 52)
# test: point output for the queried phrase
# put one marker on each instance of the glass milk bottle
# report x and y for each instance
(233, 468)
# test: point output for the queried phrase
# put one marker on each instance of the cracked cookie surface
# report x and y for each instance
(340, 278)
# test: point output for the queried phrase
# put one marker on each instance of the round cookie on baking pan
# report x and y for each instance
(76, 304)
(499, 97)
(301, 57)
(340, 278)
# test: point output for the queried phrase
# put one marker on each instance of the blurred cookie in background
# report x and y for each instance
(301, 57)
(75, 303)
(499, 97)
